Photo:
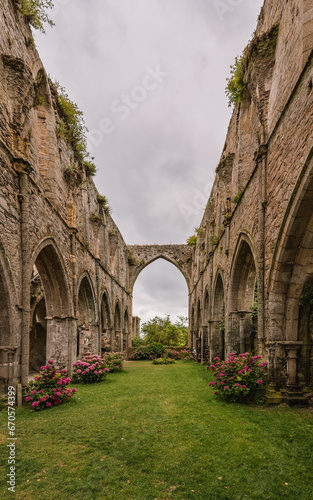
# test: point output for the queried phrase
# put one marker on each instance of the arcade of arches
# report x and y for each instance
(66, 274)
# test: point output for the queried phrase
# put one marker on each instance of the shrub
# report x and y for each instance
(71, 126)
(151, 351)
(238, 378)
(163, 361)
(173, 354)
(235, 84)
(90, 369)
(114, 361)
(187, 355)
(49, 388)
(35, 12)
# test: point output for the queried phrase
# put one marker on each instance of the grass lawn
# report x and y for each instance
(158, 432)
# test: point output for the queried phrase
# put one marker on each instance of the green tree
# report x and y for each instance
(164, 331)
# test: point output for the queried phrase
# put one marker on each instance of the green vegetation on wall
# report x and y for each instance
(35, 12)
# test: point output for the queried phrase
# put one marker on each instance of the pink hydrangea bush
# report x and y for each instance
(89, 369)
(114, 361)
(238, 378)
(181, 354)
(49, 388)
(187, 356)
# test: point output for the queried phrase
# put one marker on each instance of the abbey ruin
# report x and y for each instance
(66, 274)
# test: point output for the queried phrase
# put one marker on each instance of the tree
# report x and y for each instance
(164, 331)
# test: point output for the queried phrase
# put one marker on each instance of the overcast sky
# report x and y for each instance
(150, 77)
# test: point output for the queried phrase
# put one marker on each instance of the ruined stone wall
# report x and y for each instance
(50, 218)
(261, 191)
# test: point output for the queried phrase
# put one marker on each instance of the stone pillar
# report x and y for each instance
(111, 330)
(292, 356)
(242, 332)
(23, 169)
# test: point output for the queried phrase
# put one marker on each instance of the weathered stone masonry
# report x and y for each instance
(256, 233)
(66, 275)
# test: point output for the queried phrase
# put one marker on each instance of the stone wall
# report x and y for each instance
(255, 237)
(63, 262)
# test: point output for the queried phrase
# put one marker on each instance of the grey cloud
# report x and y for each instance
(158, 160)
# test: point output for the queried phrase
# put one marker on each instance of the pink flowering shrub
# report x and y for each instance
(181, 354)
(187, 355)
(49, 388)
(114, 361)
(90, 369)
(238, 378)
(150, 351)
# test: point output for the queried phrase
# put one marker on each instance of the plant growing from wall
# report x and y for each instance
(306, 296)
(238, 197)
(103, 202)
(192, 241)
(94, 217)
(131, 259)
(214, 240)
(235, 84)
(71, 126)
(35, 12)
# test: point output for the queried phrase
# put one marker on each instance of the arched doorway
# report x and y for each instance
(205, 328)
(86, 327)
(241, 333)
(53, 312)
(9, 353)
(218, 321)
(118, 334)
(106, 324)
(291, 292)
(160, 290)
(126, 331)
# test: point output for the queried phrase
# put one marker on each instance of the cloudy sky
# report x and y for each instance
(149, 76)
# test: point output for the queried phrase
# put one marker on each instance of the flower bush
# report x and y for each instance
(90, 369)
(150, 351)
(49, 388)
(114, 361)
(238, 378)
(181, 354)
(187, 355)
(163, 361)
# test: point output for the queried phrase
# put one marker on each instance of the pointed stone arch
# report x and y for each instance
(240, 334)
(9, 351)
(141, 256)
(118, 333)
(87, 328)
(48, 262)
(291, 275)
(106, 323)
(218, 318)
(126, 336)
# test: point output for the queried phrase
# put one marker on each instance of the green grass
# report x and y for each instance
(158, 432)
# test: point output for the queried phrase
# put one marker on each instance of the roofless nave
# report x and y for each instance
(66, 274)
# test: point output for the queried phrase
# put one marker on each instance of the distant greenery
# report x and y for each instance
(36, 12)
(162, 330)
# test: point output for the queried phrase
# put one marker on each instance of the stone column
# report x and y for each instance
(23, 169)
(292, 356)
(242, 332)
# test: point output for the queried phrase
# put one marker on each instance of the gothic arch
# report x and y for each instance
(153, 259)
(106, 322)
(218, 318)
(8, 338)
(240, 334)
(49, 262)
(87, 316)
(291, 279)
(118, 332)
